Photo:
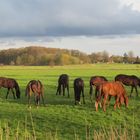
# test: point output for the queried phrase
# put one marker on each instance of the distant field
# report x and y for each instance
(60, 117)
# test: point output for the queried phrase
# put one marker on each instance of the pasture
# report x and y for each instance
(60, 118)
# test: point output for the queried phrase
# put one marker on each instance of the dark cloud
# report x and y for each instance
(67, 17)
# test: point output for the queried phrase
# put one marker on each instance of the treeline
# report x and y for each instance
(53, 56)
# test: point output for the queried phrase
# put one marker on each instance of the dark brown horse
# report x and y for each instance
(129, 80)
(10, 84)
(63, 82)
(78, 89)
(96, 81)
(115, 89)
(35, 87)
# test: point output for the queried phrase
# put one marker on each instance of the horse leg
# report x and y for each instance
(116, 103)
(35, 98)
(13, 94)
(121, 101)
(131, 91)
(109, 100)
(63, 90)
(83, 95)
(58, 88)
(7, 93)
(90, 92)
(104, 103)
(96, 105)
(68, 90)
(38, 100)
(29, 101)
(96, 91)
(98, 100)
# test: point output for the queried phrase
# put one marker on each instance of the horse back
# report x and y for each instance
(112, 88)
(8, 82)
(97, 80)
(129, 80)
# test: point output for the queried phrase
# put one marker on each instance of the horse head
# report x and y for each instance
(17, 91)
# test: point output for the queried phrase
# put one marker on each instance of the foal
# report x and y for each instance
(129, 80)
(115, 89)
(78, 89)
(35, 87)
(96, 81)
(63, 82)
(10, 84)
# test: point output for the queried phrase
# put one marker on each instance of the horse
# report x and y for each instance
(115, 89)
(10, 84)
(96, 81)
(35, 87)
(63, 82)
(129, 80)
(78, 89)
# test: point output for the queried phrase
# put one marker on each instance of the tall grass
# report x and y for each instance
(111, 133)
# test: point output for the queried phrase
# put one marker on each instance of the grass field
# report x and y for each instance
(60, 118)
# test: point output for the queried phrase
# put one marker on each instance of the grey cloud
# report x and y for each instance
(67, 17)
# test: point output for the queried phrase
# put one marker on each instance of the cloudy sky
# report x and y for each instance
(87, 25)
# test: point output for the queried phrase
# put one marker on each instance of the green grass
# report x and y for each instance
(60, 116)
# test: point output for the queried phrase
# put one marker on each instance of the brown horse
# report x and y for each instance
(115, 89)
(96, 81)
(10, 84)
(129, 80)
(78, 89)
(35, 87)
(63, 82)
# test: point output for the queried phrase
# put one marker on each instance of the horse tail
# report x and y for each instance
(17, 89)
(99, 96)
(100, 93)
(126, 101)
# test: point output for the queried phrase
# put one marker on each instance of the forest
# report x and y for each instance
(37, 56)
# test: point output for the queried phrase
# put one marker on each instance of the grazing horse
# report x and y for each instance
(63, 82)
(78, 89)
(115, 89)
(96, 81)
(10, 84)
(129, 80)
(35, 87)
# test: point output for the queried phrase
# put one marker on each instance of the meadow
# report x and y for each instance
(60, 119)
